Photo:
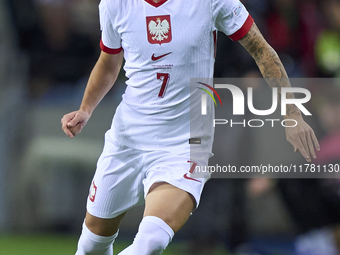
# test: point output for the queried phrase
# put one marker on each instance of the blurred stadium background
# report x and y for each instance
(47, 49)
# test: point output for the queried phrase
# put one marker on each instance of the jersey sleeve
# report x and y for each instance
(110, 40)
(232, 18)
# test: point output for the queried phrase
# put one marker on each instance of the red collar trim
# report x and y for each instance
(155, 4)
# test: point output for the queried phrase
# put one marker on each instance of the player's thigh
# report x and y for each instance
(171, 204)
(103, 227)
(117, 184)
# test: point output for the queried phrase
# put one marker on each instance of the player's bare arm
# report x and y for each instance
(102, 78)
(302, 136)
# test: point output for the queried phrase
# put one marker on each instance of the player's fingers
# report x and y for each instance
(315, 141)
(66, 119)
(67, 131)
(303, 138)
(311, 145)
(74, 121)
(78, 128)
(64, 127)
(293, 143)
(302, 149)
(63, 122)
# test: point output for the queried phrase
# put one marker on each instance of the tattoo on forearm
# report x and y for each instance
(268, 62)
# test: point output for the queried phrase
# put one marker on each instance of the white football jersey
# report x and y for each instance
(165, 45)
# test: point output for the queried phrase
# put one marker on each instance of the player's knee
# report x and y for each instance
(103, 227)
(97, 228)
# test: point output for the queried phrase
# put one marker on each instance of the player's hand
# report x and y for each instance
(302, 138)
(72, 123)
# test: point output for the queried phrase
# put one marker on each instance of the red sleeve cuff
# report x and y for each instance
(239, 34)
(109, 50)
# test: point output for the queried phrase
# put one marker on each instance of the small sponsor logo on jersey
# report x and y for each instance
(93, 191)
(238, 9)
(159, 29)
(154, 58)
(162, 66)
(189, 178)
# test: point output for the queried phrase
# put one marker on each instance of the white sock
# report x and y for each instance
(92, 244)
(152, 238)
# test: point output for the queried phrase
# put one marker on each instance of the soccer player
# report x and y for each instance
(146, 156)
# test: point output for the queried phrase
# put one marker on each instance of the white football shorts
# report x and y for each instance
(124, 176)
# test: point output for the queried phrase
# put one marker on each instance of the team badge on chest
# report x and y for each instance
(159, 29)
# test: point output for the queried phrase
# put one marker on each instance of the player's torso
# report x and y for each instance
(164, 47)
(174, 38)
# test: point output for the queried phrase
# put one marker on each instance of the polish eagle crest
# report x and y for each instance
(159, 29)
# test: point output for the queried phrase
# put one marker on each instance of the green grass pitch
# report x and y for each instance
(56, 245)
